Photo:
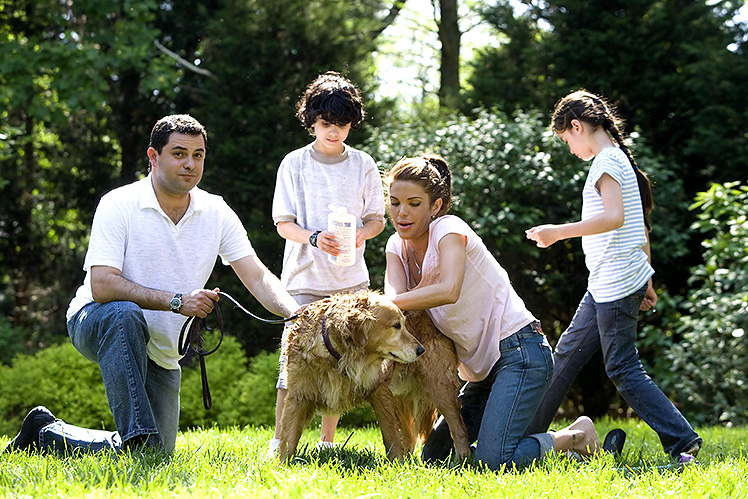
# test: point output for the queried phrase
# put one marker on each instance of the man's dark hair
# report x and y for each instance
(333, 98)
(180, 123)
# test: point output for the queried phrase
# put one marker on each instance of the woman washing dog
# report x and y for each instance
(437, 262)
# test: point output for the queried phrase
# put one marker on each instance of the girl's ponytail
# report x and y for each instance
(645, 186)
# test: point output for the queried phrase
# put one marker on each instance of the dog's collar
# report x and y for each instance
(328, 343)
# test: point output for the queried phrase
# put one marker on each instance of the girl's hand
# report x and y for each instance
(543, 235)
(359, 238)
(650, 298)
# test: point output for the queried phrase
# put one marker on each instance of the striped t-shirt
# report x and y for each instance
(618, 266)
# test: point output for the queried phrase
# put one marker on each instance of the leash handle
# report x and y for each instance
(190, 338)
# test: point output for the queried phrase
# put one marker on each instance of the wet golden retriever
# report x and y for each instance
(429, 385)
(337, 350)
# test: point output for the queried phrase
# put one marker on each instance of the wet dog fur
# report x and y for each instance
(429, 385)
(368, 331)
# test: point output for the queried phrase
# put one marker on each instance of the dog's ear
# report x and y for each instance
(359, 323)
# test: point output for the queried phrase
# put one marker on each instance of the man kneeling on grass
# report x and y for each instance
(153, 246)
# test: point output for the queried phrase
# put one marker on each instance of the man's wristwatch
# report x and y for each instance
(176, 303)
(313, 238)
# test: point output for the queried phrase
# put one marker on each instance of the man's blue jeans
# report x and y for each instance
(498, 409)
(612, 328)
(143, 397)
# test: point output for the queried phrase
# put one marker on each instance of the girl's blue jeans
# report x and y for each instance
(143, 397)
(498, 409)
(612, 328)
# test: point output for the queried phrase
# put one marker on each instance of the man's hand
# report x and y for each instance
(199, 303)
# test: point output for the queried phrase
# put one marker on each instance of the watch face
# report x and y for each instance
(176, 303)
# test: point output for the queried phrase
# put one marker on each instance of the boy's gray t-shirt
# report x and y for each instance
(307, 184)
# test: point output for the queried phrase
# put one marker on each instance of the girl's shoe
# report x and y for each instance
(694, 447)
(685, 458)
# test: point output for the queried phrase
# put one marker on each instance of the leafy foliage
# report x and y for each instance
(57, 377)
(60, 378)
(709, 360)
(66, 68)
(674, 68)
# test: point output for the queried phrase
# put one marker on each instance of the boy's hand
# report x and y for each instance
(327, 243)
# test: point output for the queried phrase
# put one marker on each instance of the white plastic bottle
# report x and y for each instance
(342, 225)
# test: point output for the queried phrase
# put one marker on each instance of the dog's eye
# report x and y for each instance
(397, 325)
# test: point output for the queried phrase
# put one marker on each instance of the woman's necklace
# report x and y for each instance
(415, 260)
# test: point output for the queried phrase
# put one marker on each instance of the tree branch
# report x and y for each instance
(389, 19)
(183, 61)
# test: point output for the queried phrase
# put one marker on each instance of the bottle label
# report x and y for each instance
(345, 234)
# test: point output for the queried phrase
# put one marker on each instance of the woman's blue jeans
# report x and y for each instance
(612, 328)
(498, 409)
(143, 397)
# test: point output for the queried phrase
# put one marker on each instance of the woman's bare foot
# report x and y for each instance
(579, 437)
(584, 437)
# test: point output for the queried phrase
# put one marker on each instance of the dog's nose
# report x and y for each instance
(420, 350)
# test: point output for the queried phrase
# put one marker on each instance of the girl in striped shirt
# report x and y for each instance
(616, 203)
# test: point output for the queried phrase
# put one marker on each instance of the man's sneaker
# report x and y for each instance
(28, 437)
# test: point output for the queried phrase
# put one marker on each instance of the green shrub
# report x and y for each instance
(57, 377)
(70, 386)
(710, 359)
(226, 368)
(657, 336)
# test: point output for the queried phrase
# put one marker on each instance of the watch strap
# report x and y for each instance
(313, 238)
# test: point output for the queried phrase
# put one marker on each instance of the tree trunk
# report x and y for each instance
(449, 36)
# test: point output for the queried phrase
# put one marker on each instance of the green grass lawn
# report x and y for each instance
(232, 463)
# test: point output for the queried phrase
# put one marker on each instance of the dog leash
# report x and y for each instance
(191, 338)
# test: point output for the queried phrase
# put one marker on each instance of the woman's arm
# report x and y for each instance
(610, 219)
(395, 280)
(453, 255)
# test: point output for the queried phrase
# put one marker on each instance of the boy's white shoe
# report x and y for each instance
(273, 446)
(322, 444)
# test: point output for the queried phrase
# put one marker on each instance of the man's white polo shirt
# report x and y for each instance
(131, 232)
